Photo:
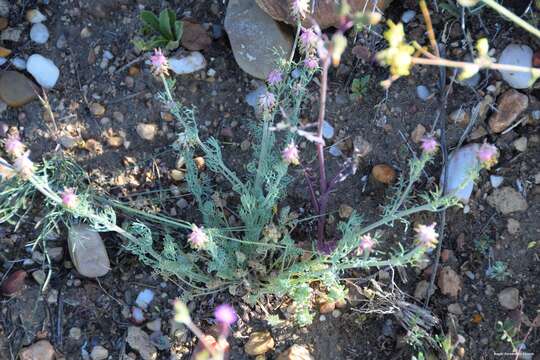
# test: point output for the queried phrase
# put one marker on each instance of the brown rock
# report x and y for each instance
(147, 131)
(16, 89)
(421, 290)
(134, 70)
(345, 211)
(510, 105)
(295, 352)
(195, 37)
(327, 307)
(97, 109)
(41, 350)
(460, 117)
(384, 173)
(326, 11)
(449, 282)
(260, 342)
(140, 341)
(14, 283)
(3, 23)
(4, 52)
(418, 133)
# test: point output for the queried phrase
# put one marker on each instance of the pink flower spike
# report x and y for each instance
(366, 244)
(69, 198)
(290, 154)
(426, 235)
(311, 62)
(308, 39)
(225, 314)
(429, 144)
(13, 146)
(159, 63)
(24, 166)
(197, 238)
(300, 8)
(267, 101)
(488, 155)
(274, 77)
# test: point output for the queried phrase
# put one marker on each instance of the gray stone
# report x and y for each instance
(507, 200)
(4, 8)
(16, 89)
(140, 341)
(407, 16)
(520, 55)
(194, 62)
(41, 350)
(255, 37)
(460, 165)
(88, 251)
(423, 92)
(39, 33)
(509, 298)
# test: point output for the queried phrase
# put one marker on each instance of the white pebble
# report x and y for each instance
(189, 64)
(423, 92)
(39, 33)
(144, 298)
(19, 63)
(407, 16)
(327, 130)
(43, 70)
(520, 55)
(335, 151)
(35, 16)
(2, 61)
(496, 181)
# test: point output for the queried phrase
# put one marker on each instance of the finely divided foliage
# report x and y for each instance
(257, 255)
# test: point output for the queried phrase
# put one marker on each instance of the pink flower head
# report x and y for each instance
(197, 238)
(159, 63)
(300, 8)
(429, 144)
(69, 198)
(366, 244)
(13, 145)
(225, 314)
(290, 154)
(311, 62)
(24, 166)
(267, 101)
(274, 77)
(308, 39)
(426, 235)
(488, 155)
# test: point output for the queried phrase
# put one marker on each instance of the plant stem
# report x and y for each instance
(293, 50)
(463, 65)
(320, 150)
(512, 17)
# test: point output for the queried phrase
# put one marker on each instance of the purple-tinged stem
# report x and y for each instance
(320, 151)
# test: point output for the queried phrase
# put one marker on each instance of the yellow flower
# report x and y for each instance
(398, 58)
(395, 35)
(482, 46)
(468, 71)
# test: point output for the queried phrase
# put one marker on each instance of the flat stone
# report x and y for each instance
(43, 70)
(260, 342)
(510, 105)
(520, 55)
(295, 352)
(450, 283)
(39, 33)
(195, 37)
(41, 350)
(194, 62)
(87, 251)
(16, 89)
(326, 12)
(509, 298)
(255, 37)
(140, 341)
(507, 200)
(460, 165)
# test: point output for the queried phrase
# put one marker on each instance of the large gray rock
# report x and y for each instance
(326, 11)
(520, 55)
(87, 251)
(255, 38)
(16, 89)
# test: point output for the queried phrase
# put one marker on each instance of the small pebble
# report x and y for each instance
(39, 33)
(407, 16)
(423, 92)
(496, 180)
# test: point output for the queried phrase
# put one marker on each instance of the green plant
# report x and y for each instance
(359, 86)
(498, 271)
(164, 31)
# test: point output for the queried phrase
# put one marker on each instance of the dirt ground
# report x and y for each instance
(126, 88)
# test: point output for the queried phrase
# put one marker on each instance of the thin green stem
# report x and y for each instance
(295, 44)
(512, 17)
